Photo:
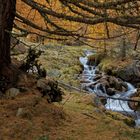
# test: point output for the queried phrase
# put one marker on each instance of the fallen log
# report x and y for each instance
(103, 96)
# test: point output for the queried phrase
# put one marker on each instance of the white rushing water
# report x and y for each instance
(87, 77)
(118, 105)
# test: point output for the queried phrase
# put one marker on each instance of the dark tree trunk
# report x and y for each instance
(7, 10)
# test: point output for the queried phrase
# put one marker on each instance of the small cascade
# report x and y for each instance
(91, 84)
(121, 106)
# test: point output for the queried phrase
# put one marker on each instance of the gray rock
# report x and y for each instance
(111, 91)
(54, 73)
(97, 71)
(12, 92)
(99, 76)
(116, 83)
(130, 72)
(19, 112)
(104, 82)
(43, 84)
(124, 84)
(24, 113)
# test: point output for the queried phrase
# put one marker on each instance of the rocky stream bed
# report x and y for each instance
(109, 87)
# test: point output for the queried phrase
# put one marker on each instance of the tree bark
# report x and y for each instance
(7, 14)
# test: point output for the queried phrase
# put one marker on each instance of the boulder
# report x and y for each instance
(97, 77)
(97, 71)
(24, 113)
(25, 81)
(104, 82)
(124, 85)
(54, 73)
(19, 112)
(12, 92)
(126, 74)
(112, 80)
(135, 105)
(117, 83)
(92, 85)
(111, 91)
(43, 84)
(111, 84)
(130, 73)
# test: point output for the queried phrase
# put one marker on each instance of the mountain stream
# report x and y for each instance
(88, 78)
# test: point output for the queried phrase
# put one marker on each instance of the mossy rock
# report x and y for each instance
(126, 73)
(106, 65)
(118, 68)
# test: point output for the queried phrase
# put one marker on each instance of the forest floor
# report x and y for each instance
(31, 117)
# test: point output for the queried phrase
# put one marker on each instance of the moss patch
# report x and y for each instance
(62, 62)
(111, 65)
(88, 122)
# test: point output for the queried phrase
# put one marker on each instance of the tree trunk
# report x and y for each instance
(7, 10)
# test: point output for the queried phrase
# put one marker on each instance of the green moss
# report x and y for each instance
(75, 101)
(106, 65)
(134, 135)
(44, 138)
(120, 117)
(114, 66)
(65, 61)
